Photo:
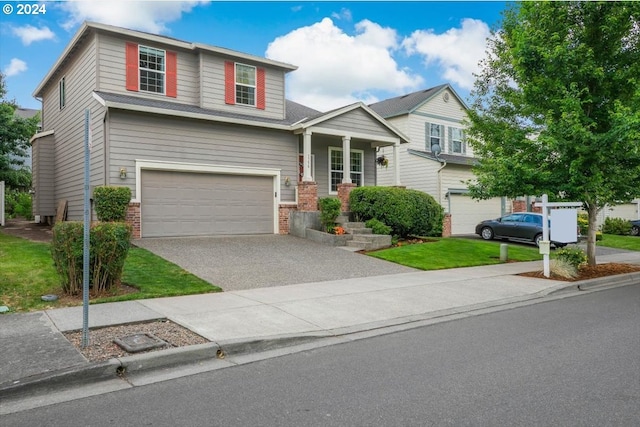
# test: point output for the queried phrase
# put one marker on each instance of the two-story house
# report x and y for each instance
(437, 160)
(204, 136)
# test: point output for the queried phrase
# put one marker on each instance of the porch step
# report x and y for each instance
(370, 242)
(356, 228)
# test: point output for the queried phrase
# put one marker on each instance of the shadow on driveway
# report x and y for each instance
(257, 261)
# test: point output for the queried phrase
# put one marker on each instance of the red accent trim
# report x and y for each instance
(229, 83)
(132, 66)
(260, 96)
(172, 74)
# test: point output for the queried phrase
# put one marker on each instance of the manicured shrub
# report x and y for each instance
(18, 204)
(111, 202)
(330, 209)
(583, 223)
(573, 255)
(407, 212)
(617, 226)
(109, 244)
(377, 227)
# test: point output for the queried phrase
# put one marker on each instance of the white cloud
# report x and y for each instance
(343, 14)
(336, 69)
(456, 51)
(29, 34)
(15, 67)
(148, 16)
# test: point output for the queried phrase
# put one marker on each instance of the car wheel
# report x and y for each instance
(537, 239)
(486, 233)
(559, 245)
(635, 230)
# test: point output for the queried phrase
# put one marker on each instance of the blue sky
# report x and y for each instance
(346, 51)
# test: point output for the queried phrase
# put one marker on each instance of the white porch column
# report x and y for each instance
(396, 163)
(346, 160)
(306, 156)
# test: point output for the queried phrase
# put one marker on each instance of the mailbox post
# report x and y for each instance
(565, 225)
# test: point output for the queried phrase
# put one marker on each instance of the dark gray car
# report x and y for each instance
(522, 226)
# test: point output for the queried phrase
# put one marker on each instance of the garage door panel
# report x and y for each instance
(466, 212)
(189, 204)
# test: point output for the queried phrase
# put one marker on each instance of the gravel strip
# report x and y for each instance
(101, 346)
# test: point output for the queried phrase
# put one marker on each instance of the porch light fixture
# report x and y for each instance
(287, 181)
(123, 173)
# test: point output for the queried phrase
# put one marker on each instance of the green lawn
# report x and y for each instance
(454, 253)
(631, 243)
(27, 272)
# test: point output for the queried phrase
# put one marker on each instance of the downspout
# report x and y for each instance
(444, 163)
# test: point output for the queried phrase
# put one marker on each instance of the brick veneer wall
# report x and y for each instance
(133, 218)
(519, 206)
(283, 217)
(343, 194)
(307, 196)
(446, 225)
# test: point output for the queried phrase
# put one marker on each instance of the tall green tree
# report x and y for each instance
(556, 106)
(15, 133)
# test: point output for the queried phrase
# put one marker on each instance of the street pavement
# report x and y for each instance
(34, 352)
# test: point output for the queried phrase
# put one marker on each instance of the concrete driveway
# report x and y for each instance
(247, 262)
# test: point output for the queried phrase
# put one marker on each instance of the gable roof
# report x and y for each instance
(406, 104)
(323, 117)
(87, 28)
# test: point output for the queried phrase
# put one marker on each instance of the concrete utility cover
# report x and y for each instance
(139, 342)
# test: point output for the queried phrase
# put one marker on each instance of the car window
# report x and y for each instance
(533, 219)
(513, 218)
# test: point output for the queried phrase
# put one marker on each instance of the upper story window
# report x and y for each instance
(62, 92)
(457, 144)
(434, 137)
(245, 84)
(152, 69)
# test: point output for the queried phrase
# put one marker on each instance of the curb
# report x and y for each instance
(107, 370)
(72, 376)
(584, 285)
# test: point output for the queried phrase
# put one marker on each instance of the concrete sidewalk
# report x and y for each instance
(35, 350)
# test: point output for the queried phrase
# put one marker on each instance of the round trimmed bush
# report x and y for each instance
(407, 212)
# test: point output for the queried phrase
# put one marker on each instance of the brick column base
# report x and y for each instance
(133, 218)
(307, 196)
(343, 194)
(519, 206)
(446, 225)
(284, 212)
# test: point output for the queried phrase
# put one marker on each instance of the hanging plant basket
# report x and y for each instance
(382, 161)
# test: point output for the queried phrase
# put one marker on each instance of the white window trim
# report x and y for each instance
(329, 166)
(164, 72)
(441, 138)
(235, 84)
(62, 92)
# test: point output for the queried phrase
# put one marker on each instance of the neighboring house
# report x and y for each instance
(202, 135)
(438, 160)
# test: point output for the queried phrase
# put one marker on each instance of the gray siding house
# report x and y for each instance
(204, 136)
(437, 159)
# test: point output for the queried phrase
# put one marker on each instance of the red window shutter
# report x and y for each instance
(132, 66)
(229, 83)
(172, 74)
(260, 96)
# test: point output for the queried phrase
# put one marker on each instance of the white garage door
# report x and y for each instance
(466, 212)
(626, 211)
(193, 204)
